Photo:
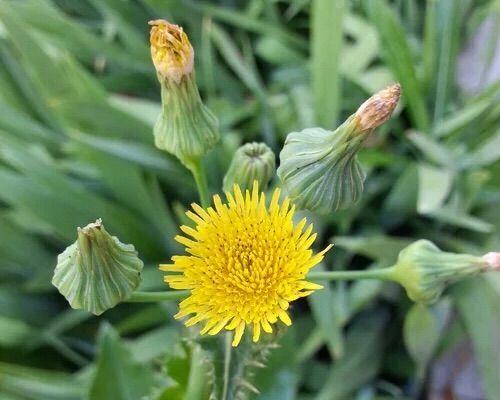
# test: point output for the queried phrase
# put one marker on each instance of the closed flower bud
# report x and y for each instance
(251, 162)
(425, 271)
(319, 168)
(378, 108)
(97, 271)
(185, 127)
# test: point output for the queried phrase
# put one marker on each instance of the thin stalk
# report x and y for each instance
(153, 297)
(227, 364)
(197, 379)
(385, 274)
(381, 274)
(198, 171)
(326, 44)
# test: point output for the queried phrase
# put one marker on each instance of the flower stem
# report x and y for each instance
(227, 364)
(384, 274)
(152, 297)
(197, 379)
(198, 171)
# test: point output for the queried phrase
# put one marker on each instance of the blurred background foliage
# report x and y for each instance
(78, 99)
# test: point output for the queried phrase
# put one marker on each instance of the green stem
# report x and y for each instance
(227, 364)
(152, 297)
(385, 274)
(197, 379)
(198, 171)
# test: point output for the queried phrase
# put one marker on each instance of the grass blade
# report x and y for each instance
(327, 35)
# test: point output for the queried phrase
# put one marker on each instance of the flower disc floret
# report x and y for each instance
(246, 263)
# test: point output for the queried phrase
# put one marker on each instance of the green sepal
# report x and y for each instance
(185, 128)
(425, 271)
(97, 271)
(319, 168)
(251, 162)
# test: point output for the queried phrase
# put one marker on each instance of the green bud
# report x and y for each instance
(97, 271)
(185, 128)
(425, 271)
(319, 168)
(251, 162)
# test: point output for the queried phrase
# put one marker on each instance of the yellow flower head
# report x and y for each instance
(171, 51)
(246, 263)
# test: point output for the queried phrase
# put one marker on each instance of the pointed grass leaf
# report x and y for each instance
(118, 375)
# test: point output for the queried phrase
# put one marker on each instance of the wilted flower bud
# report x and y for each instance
(378, 108)
(319, 168)
(97, 271)
(425, 271)
(185, 127)
(251, 162)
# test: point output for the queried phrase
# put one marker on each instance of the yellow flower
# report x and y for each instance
(171, 51)
(246, 263)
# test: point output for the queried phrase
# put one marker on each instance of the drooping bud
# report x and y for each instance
(97, 271)
(251, 162)
(425, 271)
(319, 168)
(185, 127)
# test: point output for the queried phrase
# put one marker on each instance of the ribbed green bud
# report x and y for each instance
(425, 271)
(319, 168)
(185, 127)
(97, 271)
(251, 162)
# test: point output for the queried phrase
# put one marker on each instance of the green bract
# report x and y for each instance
(425, 271)
(97, 271)
(319, 169)
(185, 128)
(251, 162)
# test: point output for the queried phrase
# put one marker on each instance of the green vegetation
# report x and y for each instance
(78, 101)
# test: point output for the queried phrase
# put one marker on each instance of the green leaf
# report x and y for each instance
(401, 202)
(447, 41)
(326, 45)
(14, 332)
(421, 334)
(478, 305)
(377, 247)
(249, 23)
(434, 185)
(325, 314)
(487, 153)
(433, 150)
(361, 363)
(462, 118)
(36, 384)
(397, 54)
(118, 375)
